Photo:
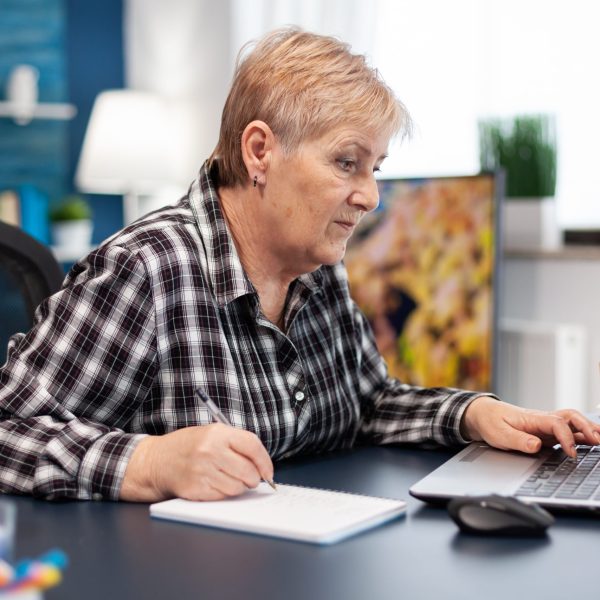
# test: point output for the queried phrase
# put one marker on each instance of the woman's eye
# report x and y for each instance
(346, 164)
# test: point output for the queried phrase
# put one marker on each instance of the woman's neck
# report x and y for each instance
(265, 270)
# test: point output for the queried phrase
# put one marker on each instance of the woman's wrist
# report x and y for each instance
(469, 428)
(138, 485)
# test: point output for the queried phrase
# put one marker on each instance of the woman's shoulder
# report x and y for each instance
(163, 234)
(162, 244)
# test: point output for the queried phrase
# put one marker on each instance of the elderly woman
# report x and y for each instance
(239, 291)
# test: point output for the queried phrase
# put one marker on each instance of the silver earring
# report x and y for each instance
(255, 181)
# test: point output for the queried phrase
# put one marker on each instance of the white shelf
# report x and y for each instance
(22, 99)
(62, 112)
(571, 252)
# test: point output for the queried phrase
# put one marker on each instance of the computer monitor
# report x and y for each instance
(423, 267)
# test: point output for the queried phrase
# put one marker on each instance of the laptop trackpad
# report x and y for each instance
(479, 469)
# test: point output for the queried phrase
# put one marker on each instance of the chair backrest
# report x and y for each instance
(28, 274)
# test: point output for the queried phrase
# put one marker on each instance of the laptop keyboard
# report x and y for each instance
(563, 477)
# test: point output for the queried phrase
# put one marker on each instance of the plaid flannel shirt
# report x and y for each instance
(164, 307)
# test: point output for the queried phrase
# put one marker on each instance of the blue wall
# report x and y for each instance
(94, 46)
(77, 45)
(33, 32)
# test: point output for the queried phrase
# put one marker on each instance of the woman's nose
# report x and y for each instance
(366, 196)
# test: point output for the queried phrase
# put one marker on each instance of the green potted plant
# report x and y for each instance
(71, 223)
(525, 147)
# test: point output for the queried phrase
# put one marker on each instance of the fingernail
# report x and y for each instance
(531, 443)
(597, 436)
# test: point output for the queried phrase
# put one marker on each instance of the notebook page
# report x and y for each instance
(294, 512)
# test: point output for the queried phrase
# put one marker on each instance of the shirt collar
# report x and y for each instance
(227, 275)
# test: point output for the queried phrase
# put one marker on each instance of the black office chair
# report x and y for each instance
(28, 274)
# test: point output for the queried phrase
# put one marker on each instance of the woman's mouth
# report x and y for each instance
(346, 225)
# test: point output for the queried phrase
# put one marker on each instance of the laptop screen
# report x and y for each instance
(423, 268)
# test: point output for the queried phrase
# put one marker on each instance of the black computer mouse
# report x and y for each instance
(499, 515)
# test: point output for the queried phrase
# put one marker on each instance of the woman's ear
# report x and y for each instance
(257, 146)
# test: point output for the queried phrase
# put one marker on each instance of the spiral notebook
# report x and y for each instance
(292, 512)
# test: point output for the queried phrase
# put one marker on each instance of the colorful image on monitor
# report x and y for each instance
(422, 267)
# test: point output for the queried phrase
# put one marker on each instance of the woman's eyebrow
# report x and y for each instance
(365, 150)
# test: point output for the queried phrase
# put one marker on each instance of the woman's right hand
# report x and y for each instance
(208, 462)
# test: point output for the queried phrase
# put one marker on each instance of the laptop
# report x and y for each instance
(549, 478)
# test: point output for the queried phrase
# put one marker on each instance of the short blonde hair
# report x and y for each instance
(302, 85)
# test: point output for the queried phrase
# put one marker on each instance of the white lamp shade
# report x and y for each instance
(126, 145)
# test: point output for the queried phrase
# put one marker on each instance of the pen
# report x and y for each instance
(218, 416)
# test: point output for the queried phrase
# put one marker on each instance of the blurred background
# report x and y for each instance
(454, 65)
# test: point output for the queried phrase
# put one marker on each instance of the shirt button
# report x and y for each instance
(97, 496)
(299, 396)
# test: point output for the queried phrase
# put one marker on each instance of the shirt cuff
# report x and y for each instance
(446, 424)
(103, 467)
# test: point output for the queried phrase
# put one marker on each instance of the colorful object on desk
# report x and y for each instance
(33, 574)
(7, 573)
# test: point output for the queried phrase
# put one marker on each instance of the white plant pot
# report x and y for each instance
(531, 223)
(72, 235)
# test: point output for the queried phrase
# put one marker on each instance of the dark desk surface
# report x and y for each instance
(117, 551)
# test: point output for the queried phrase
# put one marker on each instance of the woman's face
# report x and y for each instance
(315, 197)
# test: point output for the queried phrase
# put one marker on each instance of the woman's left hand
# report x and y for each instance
(510, 427)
